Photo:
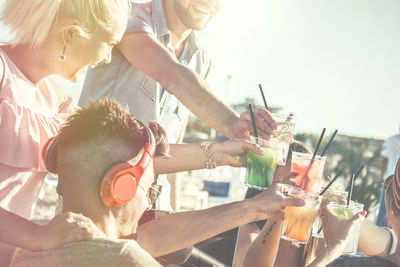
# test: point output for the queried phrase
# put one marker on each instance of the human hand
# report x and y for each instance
(337, 230)
(233, 152)
(286, 178)
(265, 124)
(271, 202)
(64, 228)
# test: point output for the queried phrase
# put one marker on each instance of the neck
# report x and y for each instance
(35, 63)
(114, 223)
(179, 32)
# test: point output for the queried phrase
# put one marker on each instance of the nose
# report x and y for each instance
(107, 59)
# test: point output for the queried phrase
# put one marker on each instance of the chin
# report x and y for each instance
(77, 75)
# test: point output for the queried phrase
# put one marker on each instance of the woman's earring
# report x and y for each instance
(62, 57)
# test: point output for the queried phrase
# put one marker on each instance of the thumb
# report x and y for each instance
(356, 218)
(251, 146)
(294, 201)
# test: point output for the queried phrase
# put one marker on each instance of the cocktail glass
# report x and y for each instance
(331, 195)
(261, 168)
(284, 132)
(309, 174)
(347, 212)
(298, 220)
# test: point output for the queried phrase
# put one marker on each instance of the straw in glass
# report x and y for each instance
(330, 183)
(315, 152)
(263, 96)
(350, 190)
(329, 143)
(356, 175)
(253, 120)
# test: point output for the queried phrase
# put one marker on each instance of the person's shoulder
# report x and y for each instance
(394, 138)
(356, 261)
(140, 19)
(95, 252)
(134, 255)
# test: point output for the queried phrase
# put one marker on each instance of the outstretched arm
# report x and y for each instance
(185, 157)
(374, 240)
(183, 229)
(147, 54)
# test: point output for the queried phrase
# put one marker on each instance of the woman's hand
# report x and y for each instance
(271, 202)
(233, 152)
(64, 228)
(337, 230)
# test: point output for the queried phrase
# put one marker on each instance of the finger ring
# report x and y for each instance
(79, 223)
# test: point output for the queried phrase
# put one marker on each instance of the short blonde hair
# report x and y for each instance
(31, 21)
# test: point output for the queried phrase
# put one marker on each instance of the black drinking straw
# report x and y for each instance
(315, 152)
(330, 183)
(326, 188)
(350, 190)
(355, 176)
(329, 143)
(263, 97)
(318, 144)
(253, 120)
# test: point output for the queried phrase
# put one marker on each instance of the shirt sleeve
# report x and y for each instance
(140, 20)
(394, 242)
(386, 149)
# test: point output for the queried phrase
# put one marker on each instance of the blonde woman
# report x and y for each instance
(50, 37)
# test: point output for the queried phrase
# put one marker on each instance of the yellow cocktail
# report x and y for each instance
(298, 220)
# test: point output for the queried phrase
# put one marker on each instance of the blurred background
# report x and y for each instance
(333, 63)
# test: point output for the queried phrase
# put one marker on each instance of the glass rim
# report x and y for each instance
(266, 143)
(285, 116)
(305, 193)
(353, 205)
(307, 156)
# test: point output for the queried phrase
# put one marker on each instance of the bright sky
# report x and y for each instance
(334, 63)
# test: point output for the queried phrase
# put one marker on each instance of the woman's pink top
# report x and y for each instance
(29, 115)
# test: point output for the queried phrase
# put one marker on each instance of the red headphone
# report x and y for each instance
(120, 183)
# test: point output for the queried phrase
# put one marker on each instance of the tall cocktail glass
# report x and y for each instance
(347, 212)
(332, 195)
(284, 132)
(261, 168)
(298, 220)
(309, 175)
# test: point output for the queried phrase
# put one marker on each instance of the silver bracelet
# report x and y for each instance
(211, 163)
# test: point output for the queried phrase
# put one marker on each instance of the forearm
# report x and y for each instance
(374, 240)
(263, 250)
(327, 255)
(180, 230)
(195, 94)
(187, 157)
(17, 231)
(183, 157)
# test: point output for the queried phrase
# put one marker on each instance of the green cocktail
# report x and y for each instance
(347, 212)
(261, 168)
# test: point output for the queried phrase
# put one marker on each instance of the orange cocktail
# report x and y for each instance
(298, 220)
(309, 175)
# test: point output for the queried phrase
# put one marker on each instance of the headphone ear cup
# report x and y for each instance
(118, 187)
(49, 155)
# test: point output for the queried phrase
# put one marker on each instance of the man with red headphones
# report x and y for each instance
(104, 159)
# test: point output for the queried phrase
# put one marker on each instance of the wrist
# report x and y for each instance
(207, 147)
(32, 239)
(254, 213)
